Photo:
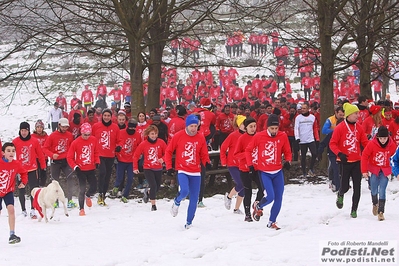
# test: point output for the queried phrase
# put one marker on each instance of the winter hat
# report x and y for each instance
(127, 104)
(382, 132)
(375, 109)
(396, 106)
(63, 122)
(248, 121)
(132, 123)
(276, 111)
(107, 111)
(240, 119)
(180, 110)
(350, 109)
(273, 120)
(24, 125)
(205, 102)
(39, 123)
(191, 119)
(121, 112)
(299, 106)
(156, 117)
(85, 128)
(76, 115)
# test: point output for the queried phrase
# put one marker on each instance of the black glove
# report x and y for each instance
(343, 157)
(208, 166)
(251, 169)
(170, 172)
(298, 140)
(77, 169)
(48, 125)
(118, 148)
(287, 165)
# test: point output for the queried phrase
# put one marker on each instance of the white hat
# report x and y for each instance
(63, 122)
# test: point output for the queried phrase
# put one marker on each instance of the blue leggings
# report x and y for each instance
(189, 184)
(235, 174)
(379, 185)
(274, 187)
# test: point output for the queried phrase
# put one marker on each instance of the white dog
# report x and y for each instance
(44, 198)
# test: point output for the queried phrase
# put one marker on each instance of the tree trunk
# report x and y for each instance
(136, 78)
(154, 70)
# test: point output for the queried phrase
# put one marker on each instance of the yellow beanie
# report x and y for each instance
(240, 119)
(350, 109)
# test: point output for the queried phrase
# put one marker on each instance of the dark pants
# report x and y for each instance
(56, 167)
(85, 177)
(54, 126)
(105, 174)
(349, 170)
(121, 168)
(304, 149)
(247, 179)
(32, 183)
(154, 179)
(335, 171)
(307, 94)
(42, 174)
(294, 147)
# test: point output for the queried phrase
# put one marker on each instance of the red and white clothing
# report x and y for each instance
(27, 151)
(129, 144)
(58, 143)
(224, 123)
(151, 152)
(9, 170)
(190, 152)
(227, 149)
(107, 137)
(269, 151)
(175, 125)
(62, 102)
(84, 154)
(376, 158)
(347, 138)
(87, 97)
(117, 93)
(239, 153)
(101, 90)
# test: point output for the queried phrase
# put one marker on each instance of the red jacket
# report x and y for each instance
(58, 143)
(191, 151)
(269, 151)
(107, 137)
(376, 158)
(129, 144)
(41, 138)
(224, 123)
(348, 141)
(227, 148)
(27, 151)
(207, 119)
(152, 152)
(9, 170)
(239, 153)
(394, 129)
(84, 154)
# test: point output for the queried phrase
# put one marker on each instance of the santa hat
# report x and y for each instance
(206, 102)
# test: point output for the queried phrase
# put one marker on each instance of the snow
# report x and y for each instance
(130, 234)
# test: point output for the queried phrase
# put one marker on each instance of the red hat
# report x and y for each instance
(205, 102)
(85, 128)
(375, 109)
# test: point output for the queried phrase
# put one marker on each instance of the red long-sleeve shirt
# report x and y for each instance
(191, 151)
(83, 153)
(107, 137)
(27, 151)
(129, 144)
(239, 153)
(376, 158)
(269, 150)
(58, 143)
(9, 170)
(347, 139)
(175, 125)
(224, 123)
(152, 152)
(229, 145)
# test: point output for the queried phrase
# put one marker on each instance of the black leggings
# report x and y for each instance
(349, 170)
(105, 174)
(56, 167)
(154, 179)
(32, 183)
(304, 149)
(247, 182)
(90, 177)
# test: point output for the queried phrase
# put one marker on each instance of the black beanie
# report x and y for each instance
(24, 125)
(273, 120)
(382, 132)
(276, 111)
(248, 121)
(76, 115)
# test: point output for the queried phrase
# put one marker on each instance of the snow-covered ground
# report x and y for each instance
(130, 234)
